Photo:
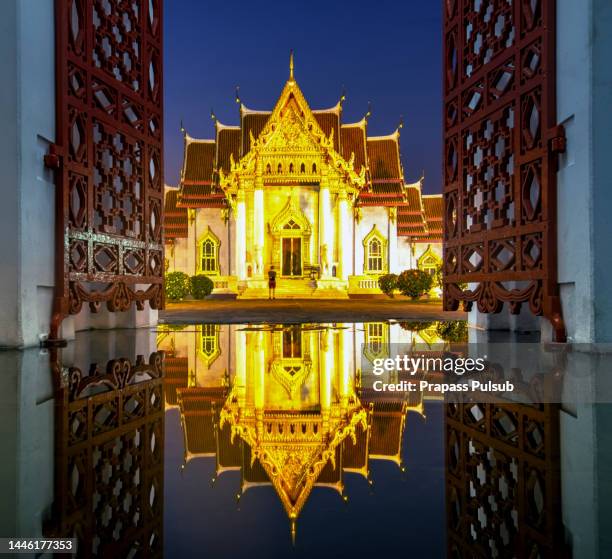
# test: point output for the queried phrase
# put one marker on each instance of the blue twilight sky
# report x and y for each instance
(385, 51)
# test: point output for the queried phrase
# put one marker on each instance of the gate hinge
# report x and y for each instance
(53, 160)
(557, 142)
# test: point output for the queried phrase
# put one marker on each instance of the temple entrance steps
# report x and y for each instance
(287, 288)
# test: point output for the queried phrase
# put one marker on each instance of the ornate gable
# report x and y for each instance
(291, 147)
(289, 132)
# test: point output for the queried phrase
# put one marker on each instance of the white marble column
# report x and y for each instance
(258, 231)
(240, 253)
(239, 388)
(259, 374)
(393, 248)
(326, 369)
(344, 372)
(326, 227)
(345, 236)
(258, 221)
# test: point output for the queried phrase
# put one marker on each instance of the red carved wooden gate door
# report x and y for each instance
(108, 155)
(500, 147)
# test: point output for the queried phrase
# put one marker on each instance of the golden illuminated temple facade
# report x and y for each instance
(297, 189)
(285, 405)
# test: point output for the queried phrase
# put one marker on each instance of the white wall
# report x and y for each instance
(370, 216)
(177, 256)
(27, 435)
(575, 249)
(211, 217)
(27, 113)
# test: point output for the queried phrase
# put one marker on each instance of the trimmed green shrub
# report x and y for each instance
(415, 325)
(414, 283)
(201, 286)
(170, 327)
(453, 331)
(177, 286)
(387, 284)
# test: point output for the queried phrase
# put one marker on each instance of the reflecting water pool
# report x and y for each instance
(223, 440)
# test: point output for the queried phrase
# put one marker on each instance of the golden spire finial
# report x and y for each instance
(182, 128)
(291, 65)
(238, 95)
(293, 531)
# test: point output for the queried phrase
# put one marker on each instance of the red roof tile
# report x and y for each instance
(421, 222)
(252, 122)
(383, 157)
(228, 143)
(199, 159)
(200, 196)
(352, 140)
(175, 219)
(328, 121)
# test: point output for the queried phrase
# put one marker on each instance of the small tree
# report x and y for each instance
(414, 283)
(415, 325)
(177, 286)
(201, 286)
(453, 331)
(387, 284)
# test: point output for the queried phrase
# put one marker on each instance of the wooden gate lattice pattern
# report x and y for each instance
(503, 491)
(500, 146)
(108, 154)
(110, 459)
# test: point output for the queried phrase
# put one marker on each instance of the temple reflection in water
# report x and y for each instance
(118, 450)
(284, 405)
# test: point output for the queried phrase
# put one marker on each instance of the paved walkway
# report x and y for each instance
(299, 311)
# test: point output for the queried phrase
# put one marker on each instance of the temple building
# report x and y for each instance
(297, 189)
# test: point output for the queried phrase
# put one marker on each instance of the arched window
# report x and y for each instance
(279, 170)
(376, 344)
(268, 169)
(302, 168)
(208, 347)
(209, 254)
(375, 256)
(429, 262)
(291, 167)
(314, 167)
(375, 252)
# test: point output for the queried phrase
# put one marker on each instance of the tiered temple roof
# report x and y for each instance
(379, 438)
(175, 221)
(379, 156)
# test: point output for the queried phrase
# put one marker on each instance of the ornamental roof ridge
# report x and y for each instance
(191, 140)
(220, 126)
(416, 184)
(244, 110)
(360, 124)
(337, 108)
(393, 136)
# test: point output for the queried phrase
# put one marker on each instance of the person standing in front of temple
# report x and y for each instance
(271, 283)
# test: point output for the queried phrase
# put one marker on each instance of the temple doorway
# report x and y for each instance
(291, 257)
